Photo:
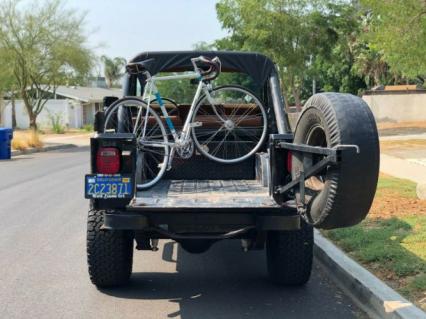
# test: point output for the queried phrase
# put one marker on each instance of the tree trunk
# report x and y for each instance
(286, 106)
(13, 110)
(32, 116)
(33, 121)
(284, 94)
(296, 94)
(108, 82)
(377, 78)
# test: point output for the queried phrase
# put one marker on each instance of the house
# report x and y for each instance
(75, 105)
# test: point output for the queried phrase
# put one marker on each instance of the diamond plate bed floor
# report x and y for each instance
(205, 194)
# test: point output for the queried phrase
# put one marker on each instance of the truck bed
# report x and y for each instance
(205, 194)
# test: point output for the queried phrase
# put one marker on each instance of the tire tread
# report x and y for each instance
(289, 256)
(109, 252)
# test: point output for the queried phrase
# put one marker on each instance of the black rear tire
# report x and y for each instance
(289, 255)
(109, 252)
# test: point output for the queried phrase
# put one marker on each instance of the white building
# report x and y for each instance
(76, 106)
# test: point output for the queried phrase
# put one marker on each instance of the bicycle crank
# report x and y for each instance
(185, 151)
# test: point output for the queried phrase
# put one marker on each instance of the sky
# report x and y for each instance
(126, 27)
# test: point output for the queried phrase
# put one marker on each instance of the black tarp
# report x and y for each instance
(256, 65)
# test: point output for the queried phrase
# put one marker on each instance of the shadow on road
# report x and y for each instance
(227, 283)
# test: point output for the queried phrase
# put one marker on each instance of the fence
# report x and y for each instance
(70, 111)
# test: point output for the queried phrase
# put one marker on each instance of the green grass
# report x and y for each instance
(393, 243)
(395, 246)
(403, 187)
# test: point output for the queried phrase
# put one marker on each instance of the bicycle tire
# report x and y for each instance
(148, 173)
(255, 132)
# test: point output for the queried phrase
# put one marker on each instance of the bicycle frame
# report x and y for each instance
(151, 89)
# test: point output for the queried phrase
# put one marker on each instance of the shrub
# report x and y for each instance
(88, 127)
(56, 121)
(26, 139)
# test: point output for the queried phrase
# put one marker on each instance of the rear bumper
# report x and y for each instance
(200, 222)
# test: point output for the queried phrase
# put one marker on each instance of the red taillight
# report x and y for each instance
(108, 160)
(289, 161)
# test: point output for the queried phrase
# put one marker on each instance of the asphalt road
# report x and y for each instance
(43, 271)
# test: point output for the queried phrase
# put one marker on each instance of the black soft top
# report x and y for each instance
(256, 65)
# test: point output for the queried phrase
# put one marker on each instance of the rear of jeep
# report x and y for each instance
(262, 202)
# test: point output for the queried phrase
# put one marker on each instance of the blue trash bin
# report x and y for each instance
(6, 135)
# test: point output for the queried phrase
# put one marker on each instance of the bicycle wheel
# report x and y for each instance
(232, 128)
(130, 115)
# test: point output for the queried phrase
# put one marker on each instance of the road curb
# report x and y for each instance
(43, 149)
(372, 295)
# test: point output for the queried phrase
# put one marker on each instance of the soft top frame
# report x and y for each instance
(256, 65)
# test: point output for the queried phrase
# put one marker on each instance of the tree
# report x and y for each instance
(47, 44)
(292, 32)
(113, 69)
(337, 71)
(203, 46)
(6, 83)
(397, 29)
(372, 66)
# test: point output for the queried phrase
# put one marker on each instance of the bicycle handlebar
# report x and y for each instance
(209, 68)
(214, 67)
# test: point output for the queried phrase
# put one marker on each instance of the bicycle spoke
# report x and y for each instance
(149, 150)
(243, 127)
(213, 136)
(214, 152)
(243, 116)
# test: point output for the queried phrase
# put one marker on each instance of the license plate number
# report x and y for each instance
(108, 186)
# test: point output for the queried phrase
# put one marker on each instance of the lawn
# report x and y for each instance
(391, 242)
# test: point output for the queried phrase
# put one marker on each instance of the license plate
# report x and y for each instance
(108, 186)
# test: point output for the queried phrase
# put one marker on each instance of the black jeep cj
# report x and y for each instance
(323, 175)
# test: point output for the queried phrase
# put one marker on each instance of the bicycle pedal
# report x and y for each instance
(195, 124)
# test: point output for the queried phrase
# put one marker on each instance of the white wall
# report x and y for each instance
(70, 110)
(75, 114)
(395, 107)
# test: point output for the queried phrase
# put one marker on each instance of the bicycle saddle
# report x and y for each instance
(139, 67)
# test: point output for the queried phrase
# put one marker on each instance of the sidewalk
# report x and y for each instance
(77, 139)
(411, 169)
(403, 137)
(406, 161)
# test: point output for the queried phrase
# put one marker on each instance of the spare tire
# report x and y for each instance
(340, 195)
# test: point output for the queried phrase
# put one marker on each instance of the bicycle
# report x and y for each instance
(226, 124)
